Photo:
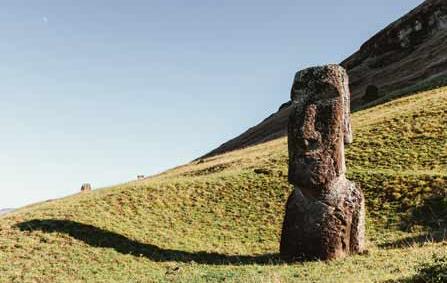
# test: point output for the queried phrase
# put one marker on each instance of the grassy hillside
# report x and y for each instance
(219, 219)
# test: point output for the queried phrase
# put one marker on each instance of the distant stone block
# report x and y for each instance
(86, 187)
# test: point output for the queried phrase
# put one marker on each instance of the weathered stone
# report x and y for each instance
(86, 187)
(325, 212)
(140, 177)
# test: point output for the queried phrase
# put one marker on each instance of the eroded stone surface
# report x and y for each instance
(325, 212)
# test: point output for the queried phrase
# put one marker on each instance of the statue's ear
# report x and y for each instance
(347, 129)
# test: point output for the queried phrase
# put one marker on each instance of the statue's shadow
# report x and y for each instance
(97, 237)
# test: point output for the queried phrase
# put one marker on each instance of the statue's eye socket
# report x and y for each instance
(311, 144)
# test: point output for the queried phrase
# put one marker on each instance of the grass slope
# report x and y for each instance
(219, 219)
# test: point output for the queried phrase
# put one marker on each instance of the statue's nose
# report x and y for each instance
(309, 124)
(311, 136)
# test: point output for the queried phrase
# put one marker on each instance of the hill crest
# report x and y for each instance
(407, 56)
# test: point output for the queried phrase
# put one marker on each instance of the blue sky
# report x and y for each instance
(101, 91)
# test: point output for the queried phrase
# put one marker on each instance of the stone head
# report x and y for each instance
(319, 126)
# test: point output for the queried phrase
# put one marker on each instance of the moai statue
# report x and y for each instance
(325, 214)
(86, 187)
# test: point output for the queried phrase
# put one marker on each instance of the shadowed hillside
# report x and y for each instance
(408, 55)
(219, 219)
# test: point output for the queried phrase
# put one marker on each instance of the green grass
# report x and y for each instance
(219, 219)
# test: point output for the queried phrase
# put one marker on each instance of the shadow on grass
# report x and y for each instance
(419, 240)
(414, 279)
(431, 213)
(434, 271)
(97, 237)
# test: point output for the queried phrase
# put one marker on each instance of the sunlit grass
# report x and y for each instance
(219, 219)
